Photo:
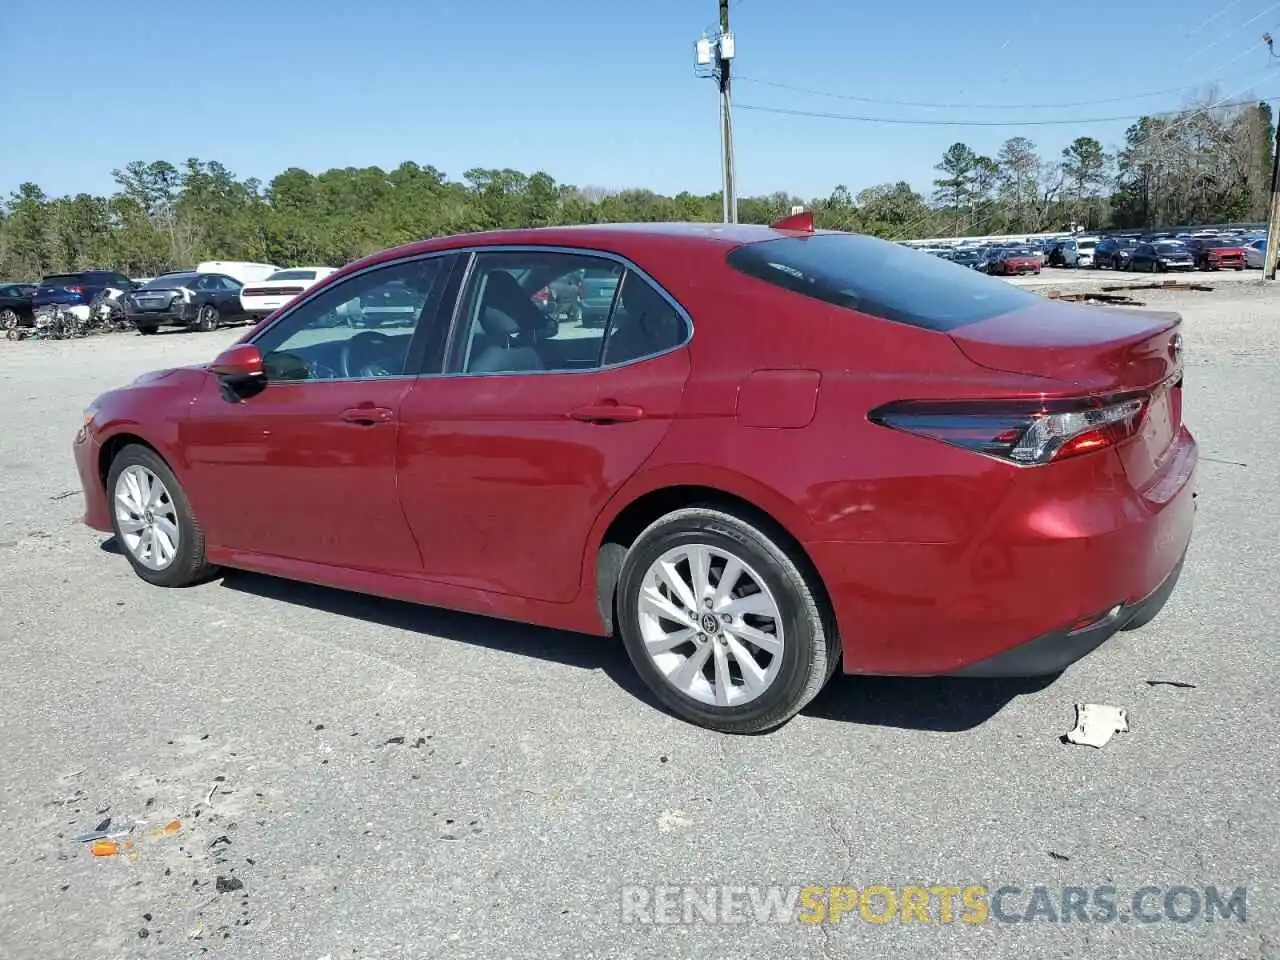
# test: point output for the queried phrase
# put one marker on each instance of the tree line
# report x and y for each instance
(1205, 164)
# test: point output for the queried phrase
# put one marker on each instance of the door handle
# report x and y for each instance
(367, 416)
(608, 411)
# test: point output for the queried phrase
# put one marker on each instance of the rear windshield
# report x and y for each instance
(61, 279)
(169, 282)
(881, 279)
(293, 275)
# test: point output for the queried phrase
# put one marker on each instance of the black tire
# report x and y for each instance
(189, 565)
(208, 319)
(811, 650)
(9, 319)
(147, 331)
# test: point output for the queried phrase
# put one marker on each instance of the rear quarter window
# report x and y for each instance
(880, 279)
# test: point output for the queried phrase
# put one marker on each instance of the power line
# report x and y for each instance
(971, 106)
(1213, 17)
(1227, 36)
(908, 121)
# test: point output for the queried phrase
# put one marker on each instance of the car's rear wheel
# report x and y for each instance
(721, 623)
(208, 320)
(153, 521)
(146, 330)
(8, 319)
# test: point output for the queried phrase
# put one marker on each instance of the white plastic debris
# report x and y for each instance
(1097, 723)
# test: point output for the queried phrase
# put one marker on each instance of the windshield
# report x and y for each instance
(293, 275)
(1086, 244)
(1170, 248)
(881, 279)
(169, 282)
(60, 279)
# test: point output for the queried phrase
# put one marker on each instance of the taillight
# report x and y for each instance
(1027, 433)
(74, 289)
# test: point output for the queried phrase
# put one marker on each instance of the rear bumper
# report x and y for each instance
(182, 315)
(1051, 653)
(1063, 550)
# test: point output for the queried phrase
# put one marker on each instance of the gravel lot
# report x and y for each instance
(373, 780)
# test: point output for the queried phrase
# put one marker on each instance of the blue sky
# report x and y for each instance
(595, 93)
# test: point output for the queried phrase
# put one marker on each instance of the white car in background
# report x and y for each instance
(260, 298)
(242, 271)
(1255, 253)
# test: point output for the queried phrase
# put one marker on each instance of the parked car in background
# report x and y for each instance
(15, 305)
(261, 298)
(1161, 256)
(242, 271)
(1216, 253)
(1014, 261)
(1114, 252)
(1255, 253)
(693, 494)
(1075, 252)
(198, 301)
(599, 287)
(966, 258)
(77, 289)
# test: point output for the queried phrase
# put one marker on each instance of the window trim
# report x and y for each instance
(414, 358)
(628, 266)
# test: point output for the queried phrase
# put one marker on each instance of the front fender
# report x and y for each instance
(152, 409)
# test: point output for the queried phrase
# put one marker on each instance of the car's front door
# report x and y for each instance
(305, 469)
(507, 460)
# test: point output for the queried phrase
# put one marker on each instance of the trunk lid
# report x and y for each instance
(1094, 350)
(155, 298)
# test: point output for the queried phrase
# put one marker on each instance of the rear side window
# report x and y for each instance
(880, 279)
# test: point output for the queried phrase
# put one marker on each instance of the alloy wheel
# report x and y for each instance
(8, 319)
(710, 625)
(146, 517)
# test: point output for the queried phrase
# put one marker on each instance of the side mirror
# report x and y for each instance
(243, 361)
(239, 372)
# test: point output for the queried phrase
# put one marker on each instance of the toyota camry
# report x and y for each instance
(782, 452)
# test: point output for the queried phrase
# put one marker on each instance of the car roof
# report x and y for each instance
(624, 239)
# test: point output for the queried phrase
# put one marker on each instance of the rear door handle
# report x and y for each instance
(367, 416)
(608, 411)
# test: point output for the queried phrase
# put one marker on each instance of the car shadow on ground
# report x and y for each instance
(935, 704)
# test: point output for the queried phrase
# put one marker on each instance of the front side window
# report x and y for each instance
(358, 329)
(880, 279)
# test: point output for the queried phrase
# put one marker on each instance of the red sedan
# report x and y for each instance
(1014, 263)
(785, 451)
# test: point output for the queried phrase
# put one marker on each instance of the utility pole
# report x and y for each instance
(720, 49)
(1273, 221)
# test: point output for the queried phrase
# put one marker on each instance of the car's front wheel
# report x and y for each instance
(8, 319)
(721, 622)
(153, 521)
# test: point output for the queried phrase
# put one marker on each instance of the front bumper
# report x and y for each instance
(1066, 546)
(87, 450)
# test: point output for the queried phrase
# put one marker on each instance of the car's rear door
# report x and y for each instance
(507, 460)
(305, 469)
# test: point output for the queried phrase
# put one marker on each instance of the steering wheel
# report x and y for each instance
(363, 355)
